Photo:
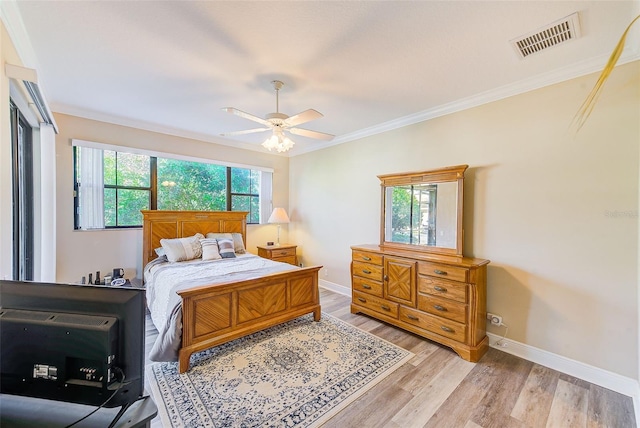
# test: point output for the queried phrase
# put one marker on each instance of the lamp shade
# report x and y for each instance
(279, 215)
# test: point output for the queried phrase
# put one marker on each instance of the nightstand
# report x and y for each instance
(285, 253)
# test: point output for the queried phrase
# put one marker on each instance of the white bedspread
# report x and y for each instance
(163, 281)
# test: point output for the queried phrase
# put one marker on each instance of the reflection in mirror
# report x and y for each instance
(422, 214)
(422, 211)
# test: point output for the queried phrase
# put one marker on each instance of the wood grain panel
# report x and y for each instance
(303, 291)
(261, 301)
(190, 228)
(160, 230)
(212, 314)
(400, 279)
(233, 226)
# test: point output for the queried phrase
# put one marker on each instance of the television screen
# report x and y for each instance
(80, 344)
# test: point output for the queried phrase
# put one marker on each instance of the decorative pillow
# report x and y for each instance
(159, 251)
(225, 246)
(181, 249)
(210, 249)
(238, 245)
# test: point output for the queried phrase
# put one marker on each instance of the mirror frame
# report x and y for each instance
(441, 175)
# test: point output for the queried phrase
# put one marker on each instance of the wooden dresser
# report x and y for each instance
(439, 297)
(284, 253)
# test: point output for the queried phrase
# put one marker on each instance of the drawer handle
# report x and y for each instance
(440, 289)
(365, 271)
(439, 272)
(362, 300)
(439, 308)
(366, 287)
(447, 329)
(412, 317)
(365, 258)
(385, 307)
(386, 278)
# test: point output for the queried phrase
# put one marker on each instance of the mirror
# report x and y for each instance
(423, 210)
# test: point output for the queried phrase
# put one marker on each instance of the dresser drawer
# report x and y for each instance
(364, 256)
(367, 270)
(438, 287)
(437, 325)
(376, 304)
(367, 286)
(283, 252)
(453, 273)
(446, 308)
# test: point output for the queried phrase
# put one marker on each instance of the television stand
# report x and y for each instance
(26, 412)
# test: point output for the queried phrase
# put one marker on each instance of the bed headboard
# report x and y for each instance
(179, 224)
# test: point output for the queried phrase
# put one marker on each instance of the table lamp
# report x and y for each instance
(278, 216)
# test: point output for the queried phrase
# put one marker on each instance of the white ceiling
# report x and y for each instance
(171, 66)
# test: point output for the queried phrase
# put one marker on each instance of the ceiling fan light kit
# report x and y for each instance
(278, 123)
(278, 141)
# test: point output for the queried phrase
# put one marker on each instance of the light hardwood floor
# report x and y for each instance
(437, 388)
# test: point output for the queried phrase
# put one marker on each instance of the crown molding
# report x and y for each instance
(556, 76)
(12, 20)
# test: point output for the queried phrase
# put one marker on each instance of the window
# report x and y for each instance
(112, 187)
(244, 192)
(127, 188)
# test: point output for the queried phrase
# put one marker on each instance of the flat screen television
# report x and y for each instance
(72, 343)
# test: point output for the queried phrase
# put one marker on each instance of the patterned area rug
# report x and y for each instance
(298, 374)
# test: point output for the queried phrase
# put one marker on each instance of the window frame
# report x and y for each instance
(153, 188)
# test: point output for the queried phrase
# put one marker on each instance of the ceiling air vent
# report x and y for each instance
(553, 34)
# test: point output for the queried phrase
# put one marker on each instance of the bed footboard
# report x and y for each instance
(215, 314)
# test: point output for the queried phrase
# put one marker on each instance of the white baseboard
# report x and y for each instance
(341, 289)
(615, 382)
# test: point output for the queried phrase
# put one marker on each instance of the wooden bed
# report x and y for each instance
(215, 314)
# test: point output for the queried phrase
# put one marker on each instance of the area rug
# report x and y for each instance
(297, 374)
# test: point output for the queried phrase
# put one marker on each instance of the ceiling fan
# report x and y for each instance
(278, 123)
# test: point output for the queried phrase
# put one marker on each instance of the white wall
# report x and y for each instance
(7, 54)
(539, 203)
(82, 252)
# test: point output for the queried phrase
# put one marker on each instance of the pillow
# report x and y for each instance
(238, 245)
(159, 251)
(182, 249)
(225, 246)
(210, 249)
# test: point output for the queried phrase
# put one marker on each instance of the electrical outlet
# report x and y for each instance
(494, 319)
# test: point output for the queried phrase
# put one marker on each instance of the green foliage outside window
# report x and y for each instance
(184, 185)
(403, 203)
(127, 188)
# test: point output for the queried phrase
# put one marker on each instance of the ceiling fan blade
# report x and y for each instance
(247, 131)
(311, 134)
(303, 117)
(246, 115)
